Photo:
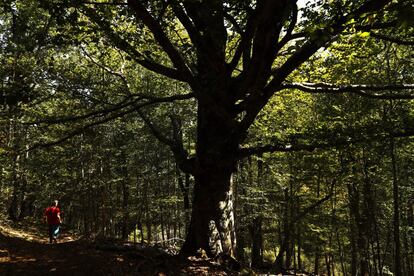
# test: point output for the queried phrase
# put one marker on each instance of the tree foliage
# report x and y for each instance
(132, 110)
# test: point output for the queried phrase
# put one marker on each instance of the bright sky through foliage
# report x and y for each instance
(302, 3)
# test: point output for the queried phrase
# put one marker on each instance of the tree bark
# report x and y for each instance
(215, 162)
(212, 213)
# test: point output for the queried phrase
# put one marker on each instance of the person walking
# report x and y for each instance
(52, 218)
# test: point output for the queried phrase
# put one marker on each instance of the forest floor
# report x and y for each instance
(24, 250)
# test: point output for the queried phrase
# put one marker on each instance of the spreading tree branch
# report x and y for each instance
(361, 90)
(150, 100)
(155, 129)
(175, 144)
(110, 116)
(317, 39)
(162, 39)
(80, 130)
(192, 31)
(289, 31)
(362, 135)
(106, 68)
(123, 45)
(244, 46)
(93, 114)
(265, 43)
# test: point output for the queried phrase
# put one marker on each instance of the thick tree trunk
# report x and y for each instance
(212, 219)
(212, 213)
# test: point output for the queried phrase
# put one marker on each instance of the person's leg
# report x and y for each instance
(55, 232)
(50, 233)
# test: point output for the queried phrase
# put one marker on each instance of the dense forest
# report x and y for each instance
(278, 133)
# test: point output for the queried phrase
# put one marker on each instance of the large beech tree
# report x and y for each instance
(234, 55)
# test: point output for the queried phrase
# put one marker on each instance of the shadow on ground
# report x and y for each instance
(26, 251)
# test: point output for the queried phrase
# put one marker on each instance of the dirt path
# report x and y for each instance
(30, 254)
(27, 252)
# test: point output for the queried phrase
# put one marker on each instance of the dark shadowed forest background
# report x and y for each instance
(276, 133)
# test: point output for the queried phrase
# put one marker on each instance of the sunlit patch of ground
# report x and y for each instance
(28, 235)
(34, 234)
(4, 255)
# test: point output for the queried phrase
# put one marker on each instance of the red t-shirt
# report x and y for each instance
(51, 214)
